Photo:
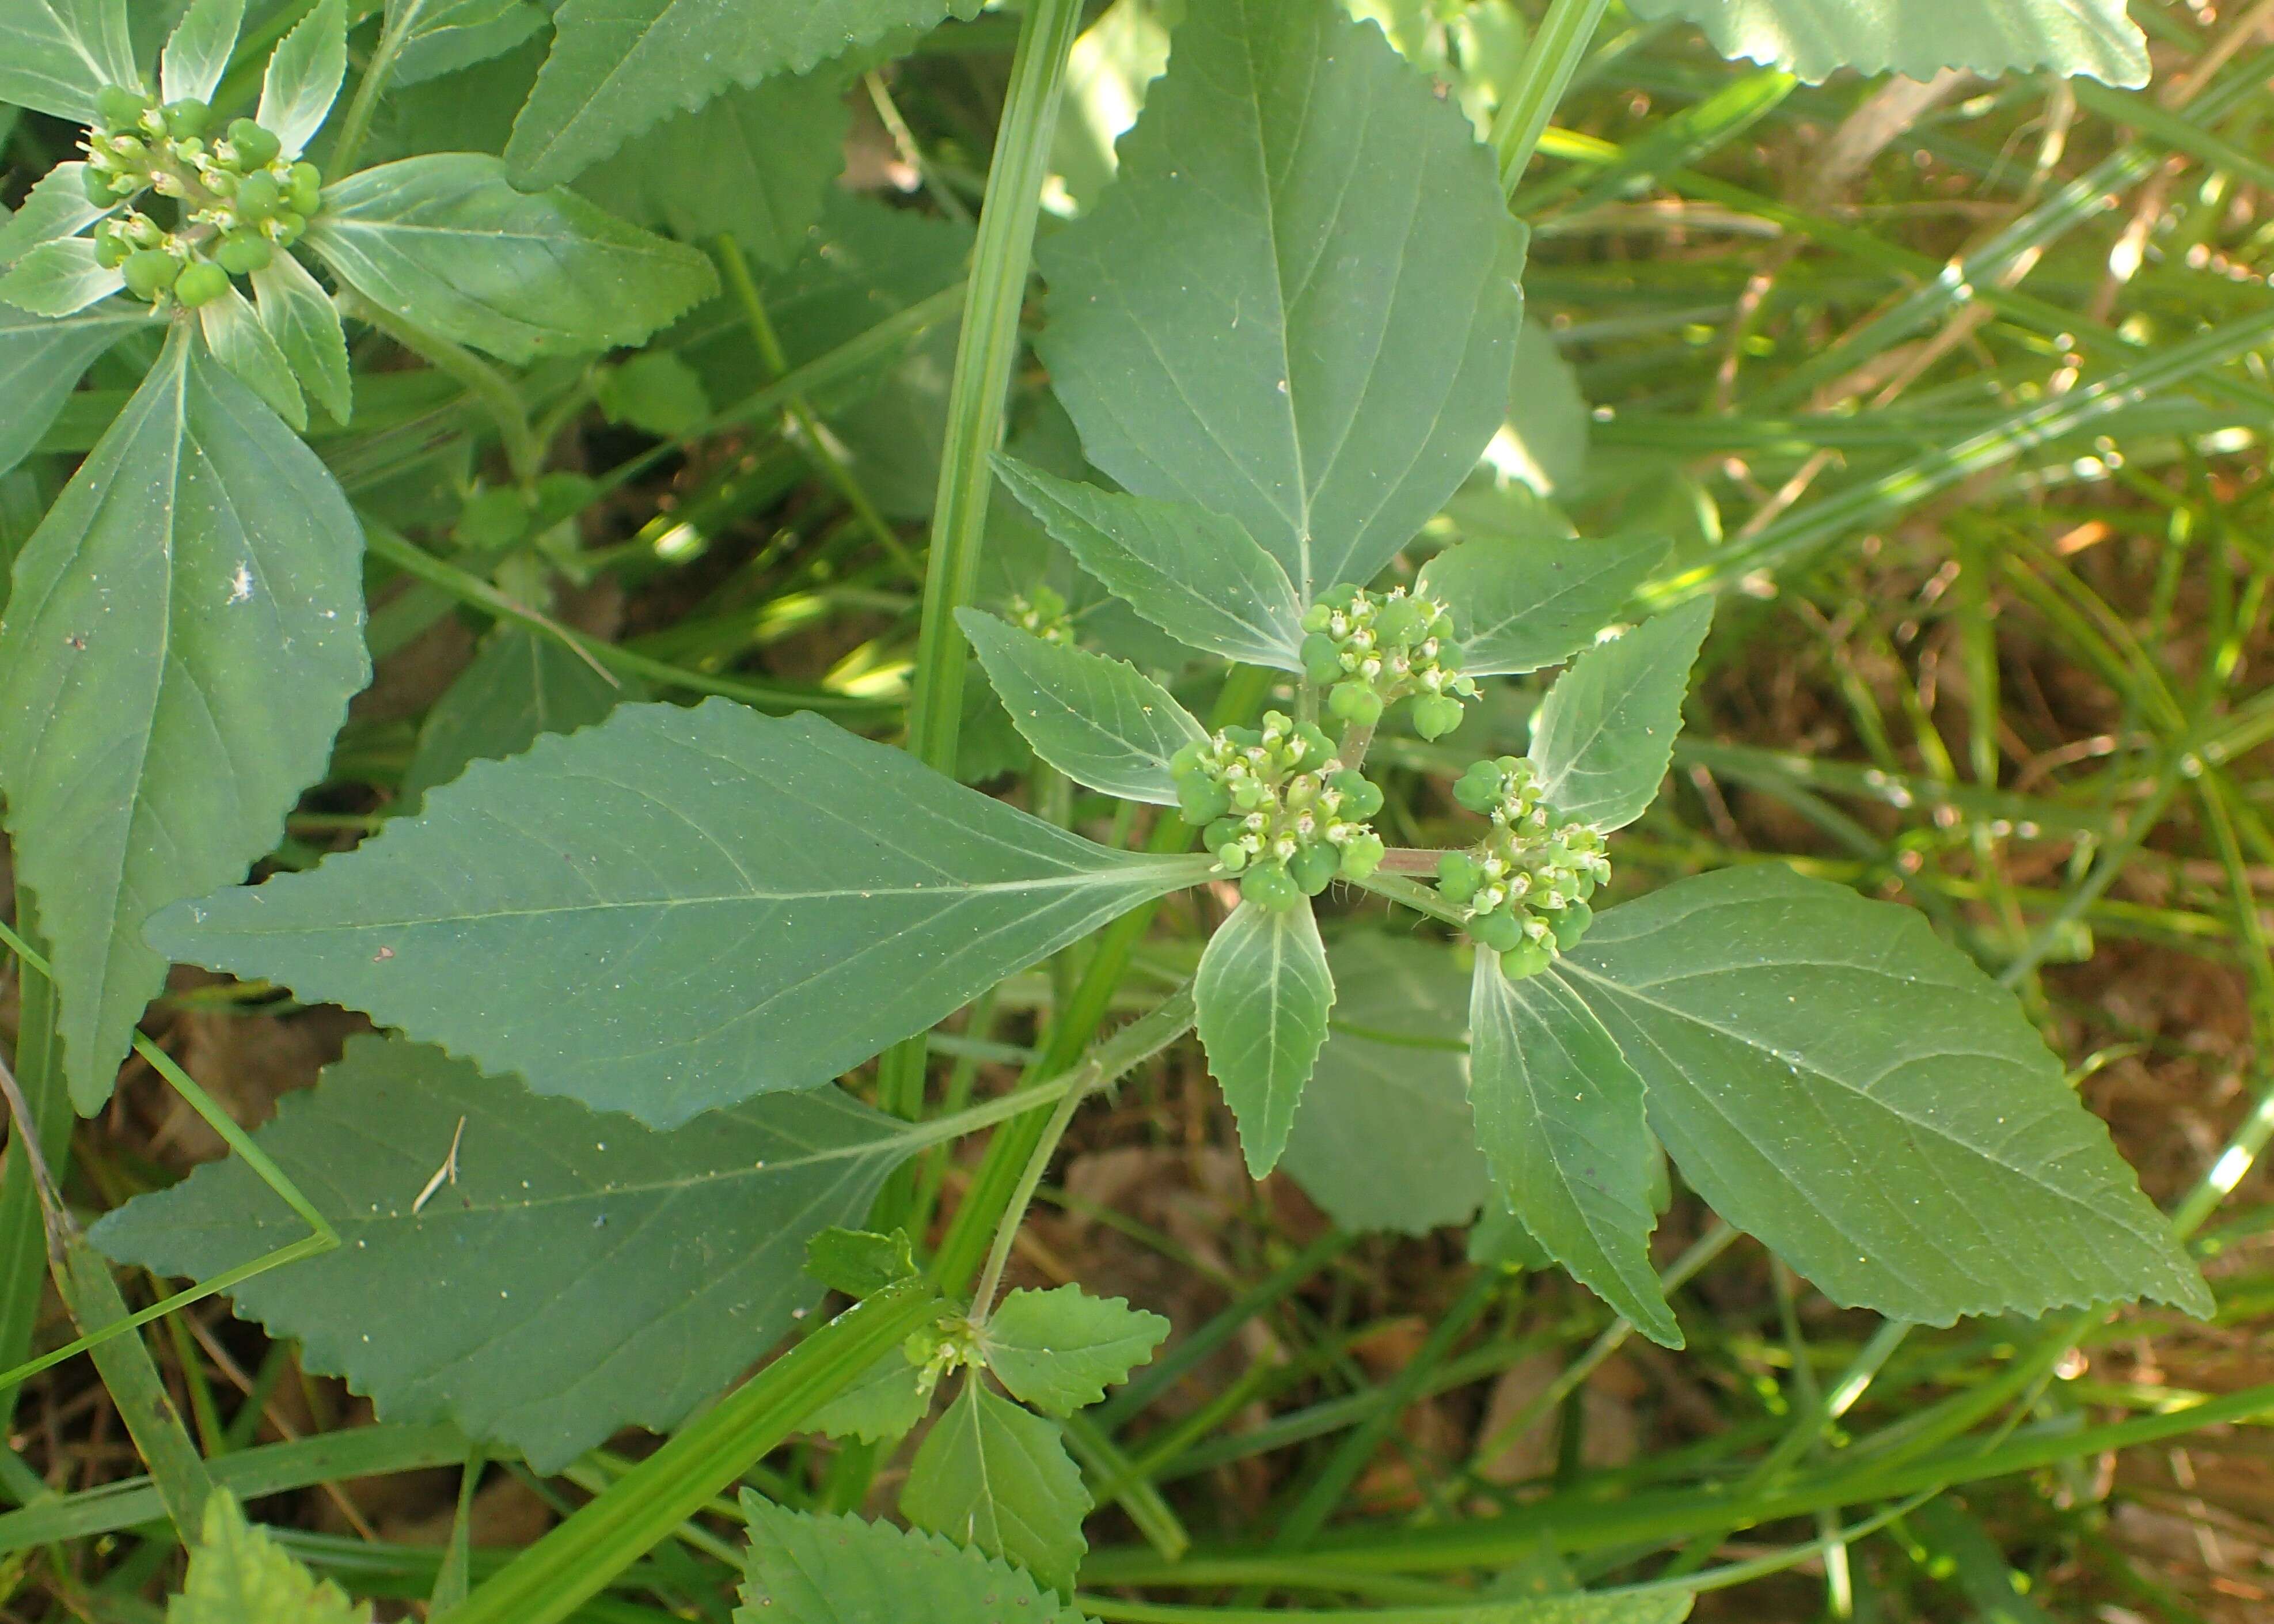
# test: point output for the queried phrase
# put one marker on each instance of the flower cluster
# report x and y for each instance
(1042, 613)
(938, 1351)
(1525, 885)
(1281, 811)
(1376, 650)
(237, 200)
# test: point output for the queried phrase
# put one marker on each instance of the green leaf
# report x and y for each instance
(56, 206)
(1304, 322)
(458, 34)
(1262, 992)
(1919, 37)
(677, 908)
(41, 360)
(59, 278)
(1385, 1140)
(233, 332)
(185, 631)
(303, 77)
(55, 55)
(1543, 442)
(620, 65)
(239, 1575)
(1520, 604)
(1195, 575)
(1060, 1349)
(197, 54)
(522, 685)
(860, 1262)
(305, 323)
(1604, 735)
(580, 1274)
(656, 393)
(996, 1476)
(804, 1569)
(885, 1403)
(447, 242)
(1560, 1117)
(1842, 1084)
(1100, 721)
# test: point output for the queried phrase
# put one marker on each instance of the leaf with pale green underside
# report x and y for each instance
(582, 1274)
(1196, 574)
(305, 323)
(1559, 1118)
(55, 55)
(196, 54)
(1520, 604)
(1100, 721)
(998, 1478)
(1060, 1349)
(239, 1575)
(1304, 322)
(677, 908)
(233, 331)
(1919, 37)
(1262, 994)
(1603, 737)
(59, 278)
(806, 1569)
(885, 1404)
(618, 66)
(56, 206)
(522, 685)
(1840, 1083)
(860, 1262)
(303, 77)
(450, 34)
(185, 633)
(449, 242)
(41, 361)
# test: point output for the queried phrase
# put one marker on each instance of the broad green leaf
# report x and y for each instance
(1842, 1084)
(1559, 1118)
(860, 1262)
(1304, 322)
(450, 34)
(304, 76)
(239, 1575)
(1195, 575)
(448, 241)
(55, 55)
(1100, 721)
(885, 1403)
(1605, 734)
(521, 685)
(57, 207)
(305, 323)
(805, 1570)
(581, 1273)
(185, 633)
(233, 331)
(59, 278)
(41, 360)
(1919, 37)
(678, 909)
(1263, 993)
(996, 1476)
(196, 54)
(656, 393)
(1543, 442)
(1520, 604)
(1060, 1349)
(618, 66)
(1385, 1140)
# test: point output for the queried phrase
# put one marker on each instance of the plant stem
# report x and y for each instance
(522, 451)
(355, 125)
(1555, 56)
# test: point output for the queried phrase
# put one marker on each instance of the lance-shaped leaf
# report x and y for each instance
(41, 360)
(1196, 574)
(239, 1575)
(56, 206)
(234, 333)
(1560, 1117)
(449, 35)
(804, 1569)
(677, 908)
(1919, 37)
(185, 633)
(1520, 604)
(570, 1274)
(1060, 1349)
(300, 317)
(196, 54)
(522, 685)
(60, 277)
(1842, 1084)
(1100, 721)
(1305, 322)
(998, 1478)
(1262, 994)
(1604, 735)
(56, 55)
(446, 241)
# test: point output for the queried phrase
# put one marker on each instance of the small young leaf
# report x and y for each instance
(1604, 735)
(303, 77)
(447, 242)
(993, 1476)
(300, 316)
(234, 333)
(860, 1262)
(522, 685)
(1919, 37)
(805, 1570)
(655, 392)
(56, 55)
(197, 54)
(238, 1575)
(1560, 1116)
(1097, 720)
(451, 34)
(56, 206)
(1842, 1084)
(1520, 604)
(1060, 1349)
(1196, 574)
(41, 361)
(1263, 993)
(885, 1403)
(59, 278)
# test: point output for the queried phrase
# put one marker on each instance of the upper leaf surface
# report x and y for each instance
(41, 360)
(185, 633)
(582, 1273)
(300, 317)
(1520, 604)
(521, 685)
(1604, 735)
(304, 76)
(239, 1575)
(1919, 37)
(196, 54)
(1839, 1082)
(450, 34)
(677, 908)
(55, 55)
(1299, 303)
(1262, 994)
(991, 1475)
(1060, 1349)
(804, 1569)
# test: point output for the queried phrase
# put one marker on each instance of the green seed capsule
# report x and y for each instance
(1504, 933)
(121, 108)
(187, 118)
(1232, 856)
(305, 191)
(287, 227)
(1202, 800)
(1314, 867)
(1271, 887)
(111, 247)
(149, 271)
(1571, 924)
(1525, 960)
(1435, 715)
(1479, 788)
(258, 196)
(1362, 854)
(1315, 618)
(1457, 877)
(1356, 703)
(1187, 759)
(1223, 832)
(256, 148)
(1361, 798)
(98, 186)
(200, 284)
(1402, 623)
(243, 252)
